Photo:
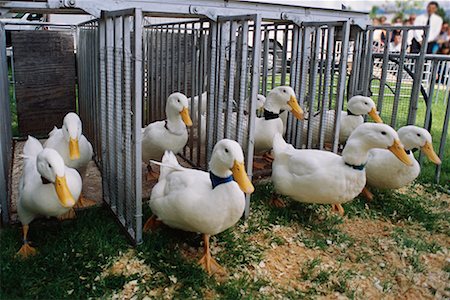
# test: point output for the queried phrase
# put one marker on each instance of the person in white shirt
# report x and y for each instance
(435, 23)
(396, 44)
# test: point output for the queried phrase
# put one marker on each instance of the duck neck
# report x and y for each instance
(355, 153)
(218, 169)
(407, 144)
(272, 105)
(174, 123)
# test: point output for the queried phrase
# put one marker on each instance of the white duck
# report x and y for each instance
(170, 134)
(47, 188)
(232, 123)
(357, 107)
(203, 202)
(315, 176)
(260, 100)
(73, 147)
(280, 98)
(384, 171)
(193, 104)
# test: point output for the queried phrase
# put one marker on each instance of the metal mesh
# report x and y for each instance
(305, 58)
(403, 84)
(210, 62)
(176, 59)
(110, 72)
(392, 77)
(5, 131)
(87, 67)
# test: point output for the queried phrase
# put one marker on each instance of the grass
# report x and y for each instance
(74, 254)
(71, 255)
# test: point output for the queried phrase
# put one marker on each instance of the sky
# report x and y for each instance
(358, 5)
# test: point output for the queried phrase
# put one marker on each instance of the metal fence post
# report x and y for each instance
(5, 131)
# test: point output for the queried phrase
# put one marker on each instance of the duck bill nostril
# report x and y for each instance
(62, 190)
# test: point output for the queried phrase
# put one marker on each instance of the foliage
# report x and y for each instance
(373, 12)
(444, 16)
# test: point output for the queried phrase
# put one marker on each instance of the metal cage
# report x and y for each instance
(304, 56)
(5, 131)
(110, 75)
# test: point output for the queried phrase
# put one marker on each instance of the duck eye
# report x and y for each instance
(178, 100)
(226, 150)
(418, 134)
(365, 103)
(383, 132)
(50, 166)
(284, 91)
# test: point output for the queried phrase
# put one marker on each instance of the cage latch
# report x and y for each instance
(210, 13)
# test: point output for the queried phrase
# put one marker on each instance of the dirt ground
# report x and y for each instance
(363, 257)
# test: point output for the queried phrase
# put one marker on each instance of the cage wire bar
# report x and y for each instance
(393, 69)
(176, 60)
(403, 84)
(436, 82)
(88, 63)
(5, 131)
(211, 63)
(110, 78)
(303, 56)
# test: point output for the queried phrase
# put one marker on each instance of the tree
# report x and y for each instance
(401, 7)
(373, 12)
(444, 16)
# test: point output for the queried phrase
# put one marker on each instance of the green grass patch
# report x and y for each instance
(407, 241)
(434, 216)
(70, 256)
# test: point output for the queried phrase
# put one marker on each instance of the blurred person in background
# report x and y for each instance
(383, 21)
(396, 44)
(435, 23)
(377, 32)
(412, 19)
(444, 36)
(397, 22)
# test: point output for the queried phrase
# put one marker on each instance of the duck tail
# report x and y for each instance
(54, 130)
(279, 144)
(168, 164)
(32, 147)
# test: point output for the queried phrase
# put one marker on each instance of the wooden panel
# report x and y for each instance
(44, 64)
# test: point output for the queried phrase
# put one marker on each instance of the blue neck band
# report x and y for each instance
(216, 180)
(357, 167)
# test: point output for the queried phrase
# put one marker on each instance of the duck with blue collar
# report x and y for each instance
(198, 201)
(315, 176)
